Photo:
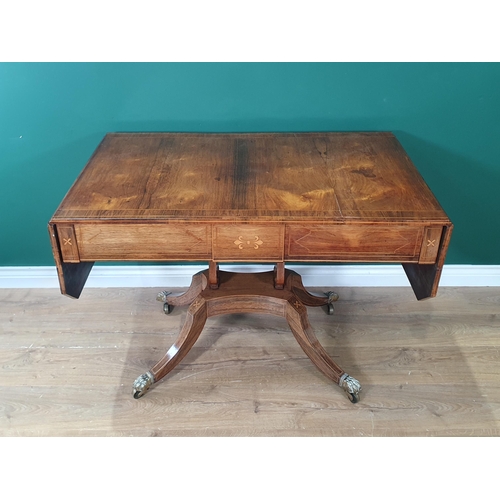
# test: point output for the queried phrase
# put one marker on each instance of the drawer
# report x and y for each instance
(143, 241)
(248, 242)
(345, 243)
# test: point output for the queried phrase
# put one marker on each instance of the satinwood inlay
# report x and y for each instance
(256, 242)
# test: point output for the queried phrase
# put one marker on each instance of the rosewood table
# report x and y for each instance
(276, 198)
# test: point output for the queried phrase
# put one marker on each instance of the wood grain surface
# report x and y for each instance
(261, 197)
(308, 176)
(427, 368)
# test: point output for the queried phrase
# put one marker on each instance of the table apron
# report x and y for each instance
(248, 242)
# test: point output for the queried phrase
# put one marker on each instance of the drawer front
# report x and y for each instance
(143, 241)
(248, 242)
(345, 243)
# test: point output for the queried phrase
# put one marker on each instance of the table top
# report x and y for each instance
(264, 197)
(338, 177)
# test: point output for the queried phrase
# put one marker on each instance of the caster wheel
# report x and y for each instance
(138, 394)
(162, 297)
(142, 385)
(353, 398)
(351, 387)
(332, 297)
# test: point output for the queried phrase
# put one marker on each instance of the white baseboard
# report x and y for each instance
(312, 275)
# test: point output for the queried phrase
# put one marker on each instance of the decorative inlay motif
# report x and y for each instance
(67, 241)
(256, 242)
(197, 303)
(431, 243)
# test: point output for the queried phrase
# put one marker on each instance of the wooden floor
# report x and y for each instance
(428, 368)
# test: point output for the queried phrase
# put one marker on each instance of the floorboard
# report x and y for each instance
(429, 368)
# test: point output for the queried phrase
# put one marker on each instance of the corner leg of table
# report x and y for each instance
(190, 331)
(296, 315)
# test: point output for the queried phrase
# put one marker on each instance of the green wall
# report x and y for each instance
(53, 115)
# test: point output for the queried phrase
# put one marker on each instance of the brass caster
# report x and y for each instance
(353, 398)
(332, 297)
(163, 297)
(142, 385)
(351, 386)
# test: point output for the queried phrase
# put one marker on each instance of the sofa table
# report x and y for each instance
(260, 197)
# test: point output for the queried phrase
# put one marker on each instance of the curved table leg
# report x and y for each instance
(307, 298)
(248, 294)
(296, 315)
(198, 284)
(190, 331)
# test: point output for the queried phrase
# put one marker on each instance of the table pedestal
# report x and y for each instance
(248, 293)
